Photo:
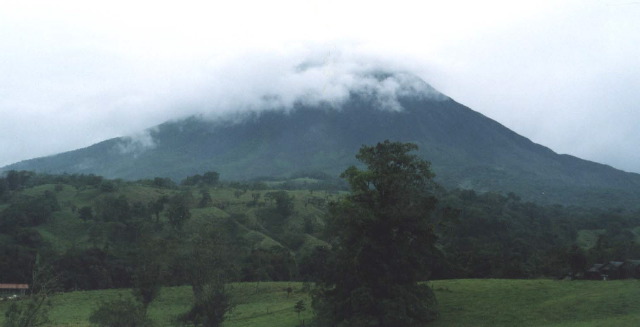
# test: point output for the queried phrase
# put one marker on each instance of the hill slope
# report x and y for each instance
(467, 149)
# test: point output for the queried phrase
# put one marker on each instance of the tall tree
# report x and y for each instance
(208, 263)
(383, 237)
(178, 210)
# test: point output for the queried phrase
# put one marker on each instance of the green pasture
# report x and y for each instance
(479, 302)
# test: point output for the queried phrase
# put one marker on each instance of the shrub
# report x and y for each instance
(120, 312)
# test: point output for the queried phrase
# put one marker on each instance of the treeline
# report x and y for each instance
(499, 236)
(120, 239)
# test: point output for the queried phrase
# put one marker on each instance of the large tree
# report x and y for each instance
(383, 238)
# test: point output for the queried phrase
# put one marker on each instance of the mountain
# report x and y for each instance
(467, 149)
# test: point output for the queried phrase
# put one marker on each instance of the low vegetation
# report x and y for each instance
(201, 251)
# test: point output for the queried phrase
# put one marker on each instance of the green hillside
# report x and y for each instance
(66, 230)
(489, 235)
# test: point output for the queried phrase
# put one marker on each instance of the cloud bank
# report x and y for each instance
(69, 110)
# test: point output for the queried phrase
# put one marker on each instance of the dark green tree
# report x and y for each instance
(178, 210)
(147, 277)
(85, 213)
(120, 312)
(284, 204)
(210, 178)
(156, 206)
(299, 307)
(382, 239)
(209, 308)
(207, 262)
(206, 199)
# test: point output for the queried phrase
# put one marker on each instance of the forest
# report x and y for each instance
(87, 233)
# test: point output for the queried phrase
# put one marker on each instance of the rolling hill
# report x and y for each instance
(467, 150)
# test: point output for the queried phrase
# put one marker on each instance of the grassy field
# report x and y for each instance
(263, 304)
(486, 302)
(496, 302)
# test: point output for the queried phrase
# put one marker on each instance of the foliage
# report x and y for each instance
(29, 211)
(178, 210)
(205, 200)
(147, 277)
(159, 182)
(273, 264)
(85, 213)
(209, 308)
(210, 178)
(30, 313)
(299, 307)
(207, 264)
(34, 311)
(92, 239)
(120, 312)
(382, 237)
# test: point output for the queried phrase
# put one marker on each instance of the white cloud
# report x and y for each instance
(137, 143)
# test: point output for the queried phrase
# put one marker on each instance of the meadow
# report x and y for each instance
(465, 302)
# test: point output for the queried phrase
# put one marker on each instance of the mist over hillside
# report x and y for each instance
(467, 149)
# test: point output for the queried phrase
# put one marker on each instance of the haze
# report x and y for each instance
(564, 74)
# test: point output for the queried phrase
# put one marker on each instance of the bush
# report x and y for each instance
(120, 312)
(209, 309)
(28, 313)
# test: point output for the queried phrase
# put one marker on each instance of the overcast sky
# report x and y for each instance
(565, 74)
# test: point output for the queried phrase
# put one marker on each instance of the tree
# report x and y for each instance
(207, 262)
(577, 260)
(120, 312)
(34, 311)
(382, 240)
(206, 198)
(156, 206)
(210, 178)
(299, 307)
(275, 218)
(178, 211)
(147, 277)
(209, 308)
(85, 213)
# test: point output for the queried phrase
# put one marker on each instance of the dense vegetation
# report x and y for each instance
(87, 233)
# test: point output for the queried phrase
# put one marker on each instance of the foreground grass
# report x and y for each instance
(494, 302)
(482, 302)
(263, 304)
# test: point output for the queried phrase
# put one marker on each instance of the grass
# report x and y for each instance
(257, 304)
(480, 302)
(494, 302)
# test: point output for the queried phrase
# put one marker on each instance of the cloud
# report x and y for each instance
(137, 143)
(311, 76)
(100, 95)
(73, 73)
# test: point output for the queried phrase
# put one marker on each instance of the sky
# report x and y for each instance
(564, 74)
